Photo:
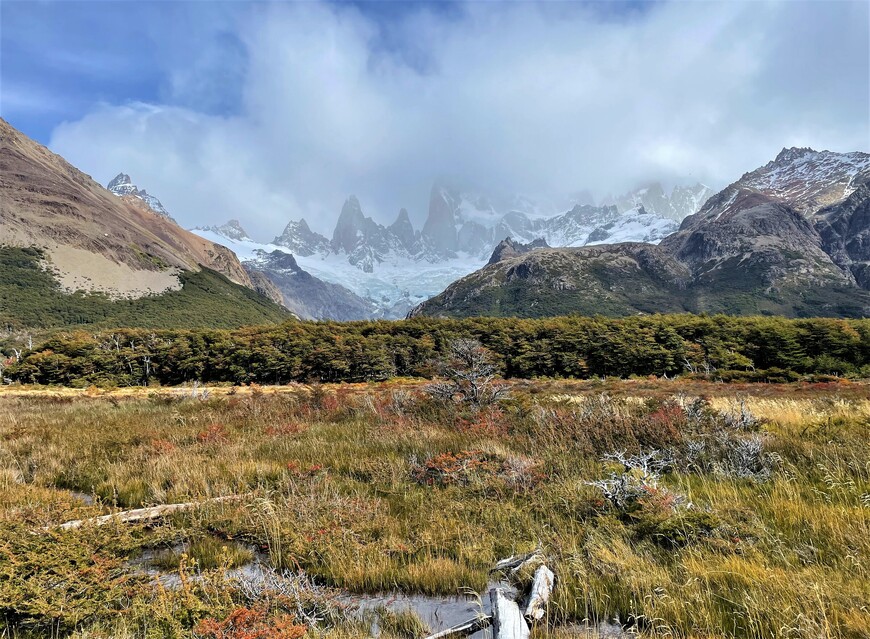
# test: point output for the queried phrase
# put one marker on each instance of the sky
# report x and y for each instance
(267, 112)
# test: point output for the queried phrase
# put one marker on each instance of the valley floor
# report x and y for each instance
(680, 508)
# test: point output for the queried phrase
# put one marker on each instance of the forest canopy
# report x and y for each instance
(724, 347)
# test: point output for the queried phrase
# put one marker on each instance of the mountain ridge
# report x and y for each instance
(89, 241)
(791, 237)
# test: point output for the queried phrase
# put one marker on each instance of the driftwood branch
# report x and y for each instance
(542, 587)
(515, 563)
(140, 515)
(507, 621)
(464, 629)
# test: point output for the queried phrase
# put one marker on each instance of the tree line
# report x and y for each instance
(726, 347)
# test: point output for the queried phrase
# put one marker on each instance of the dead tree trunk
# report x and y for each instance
(140, 515)
(507, 621)
(542, 587)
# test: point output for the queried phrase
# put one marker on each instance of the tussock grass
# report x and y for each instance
(206, 553)
(330, 488)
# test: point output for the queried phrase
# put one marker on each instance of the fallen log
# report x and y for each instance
(464, 629)
(140, 515)
(515, 563)
(542, 588)
(507, 621)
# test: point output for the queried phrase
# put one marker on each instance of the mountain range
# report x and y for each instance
(390, 269)
(790, 238)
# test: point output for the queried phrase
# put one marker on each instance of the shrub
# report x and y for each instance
(250, 623)
(447, 469)
(470, 372)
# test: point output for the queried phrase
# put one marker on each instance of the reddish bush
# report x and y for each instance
(215, 433)
(162, 446)
(250, 623)
(284, 429)
(489, 421)
(297, 470)
(453, 468)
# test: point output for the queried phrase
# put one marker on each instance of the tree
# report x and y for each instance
(470, 371)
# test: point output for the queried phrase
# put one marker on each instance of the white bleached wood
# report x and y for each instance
(464, 629)
(140, 515)
(542, 587)
(507, 621)
(515, 562)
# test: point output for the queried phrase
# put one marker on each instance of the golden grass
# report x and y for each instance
(331, 491)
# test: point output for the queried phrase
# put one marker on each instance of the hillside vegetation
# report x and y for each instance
(738, 516)
(717, 347)
(31, 298)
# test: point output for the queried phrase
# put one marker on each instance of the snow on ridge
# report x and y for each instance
(807, 178)
(395, 286)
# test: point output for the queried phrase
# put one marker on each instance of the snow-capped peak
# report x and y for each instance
(808, 179)
(122, 185)
(232, 230)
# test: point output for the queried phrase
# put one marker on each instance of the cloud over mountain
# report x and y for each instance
(291, 107)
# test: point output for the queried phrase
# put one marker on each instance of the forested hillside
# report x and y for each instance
(31, 299)
(721, 347)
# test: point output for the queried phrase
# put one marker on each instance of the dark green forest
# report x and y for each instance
(718, 347)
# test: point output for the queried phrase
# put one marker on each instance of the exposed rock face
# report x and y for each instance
(792, 237)
(123, 185)
(351, 228)
(300, 239)
(305, 295)
(844, 229)
(364, 241)
(46, 202)
(265, 286)
(403, 231)
(507, 249)
(439, 231)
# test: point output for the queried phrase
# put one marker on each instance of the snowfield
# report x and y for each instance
(395, 286)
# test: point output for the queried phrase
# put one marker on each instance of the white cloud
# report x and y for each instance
(516, 97)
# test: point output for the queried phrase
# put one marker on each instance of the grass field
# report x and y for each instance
(751, 520)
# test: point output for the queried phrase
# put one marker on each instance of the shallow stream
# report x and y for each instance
(436, 612)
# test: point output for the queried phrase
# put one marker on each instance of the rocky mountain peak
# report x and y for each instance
(122, 185)
(120, 182)
(349, 229)
(232, 230)
(793, 153)
(280, 260)
(299, 238)
(404, 231)
(508, 248)
(439, 231)
(802, 178)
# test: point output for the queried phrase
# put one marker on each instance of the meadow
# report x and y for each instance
(679, 508)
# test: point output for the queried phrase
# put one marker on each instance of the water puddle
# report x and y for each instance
(83, 497)
(148, 563)
(436, 612)
(440, 613)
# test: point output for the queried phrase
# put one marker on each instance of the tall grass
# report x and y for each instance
(329, 487)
